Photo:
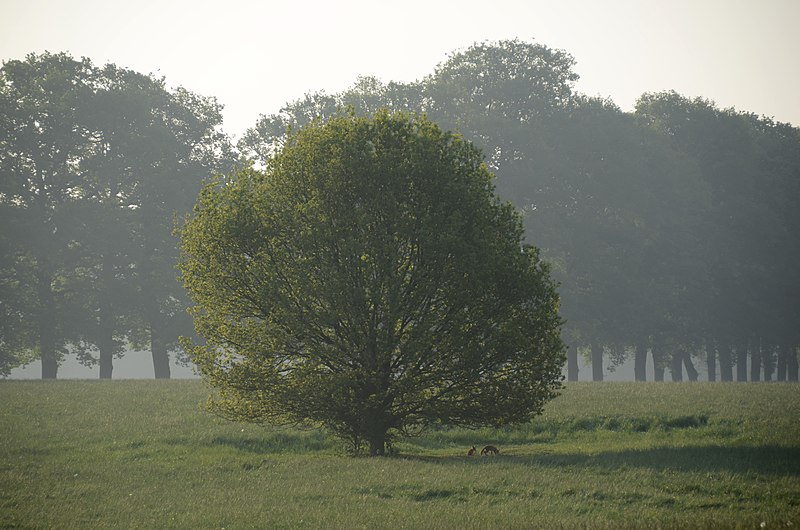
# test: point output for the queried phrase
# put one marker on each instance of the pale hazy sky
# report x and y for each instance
(256, 56)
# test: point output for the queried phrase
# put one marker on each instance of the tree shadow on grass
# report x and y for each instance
(770, 460)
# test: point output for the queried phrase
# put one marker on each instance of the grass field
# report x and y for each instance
(144, 454)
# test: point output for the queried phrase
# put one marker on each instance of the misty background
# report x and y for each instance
(582, 125)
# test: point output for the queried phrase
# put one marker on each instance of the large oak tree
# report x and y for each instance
(370, 281)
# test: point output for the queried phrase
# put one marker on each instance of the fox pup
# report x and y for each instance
(471, 452)
(490, 449)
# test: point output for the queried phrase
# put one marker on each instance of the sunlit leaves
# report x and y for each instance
(371, 281)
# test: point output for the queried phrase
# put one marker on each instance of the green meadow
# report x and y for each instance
(145, 454)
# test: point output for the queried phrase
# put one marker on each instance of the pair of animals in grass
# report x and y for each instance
(489, 449)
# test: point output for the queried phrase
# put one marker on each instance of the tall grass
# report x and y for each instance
(144, 454)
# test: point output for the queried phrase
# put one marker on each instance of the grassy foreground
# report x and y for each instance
(143, 454)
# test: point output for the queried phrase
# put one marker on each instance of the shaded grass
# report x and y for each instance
(144, 455)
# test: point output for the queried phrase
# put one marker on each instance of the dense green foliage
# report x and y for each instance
(144, 455)
(370, 280)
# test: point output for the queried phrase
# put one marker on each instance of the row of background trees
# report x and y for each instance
(672, 229)
(95, 162)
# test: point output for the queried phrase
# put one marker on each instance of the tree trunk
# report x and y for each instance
(741, 363)
(658, 364)
(106, 352)
(106, 321)
(572, 362)
(691, 371)
(725, 361)
(768, 361)
(376, 424)
(597, 362)
(47, 345)
(47, 325)
(377, 445)
(755, 363)
(711, 361)
(783, 357)
(151, 290)
(791, 365)
(640, 362)
(676, 366)
(160, 354)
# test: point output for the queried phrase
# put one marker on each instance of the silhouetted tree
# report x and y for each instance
(167, 144)
(750, 165)
(40, 153)
(96, 164)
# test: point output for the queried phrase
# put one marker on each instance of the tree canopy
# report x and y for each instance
(370, 280)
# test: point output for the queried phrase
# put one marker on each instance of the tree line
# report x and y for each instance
(672, 229)
(95, 164)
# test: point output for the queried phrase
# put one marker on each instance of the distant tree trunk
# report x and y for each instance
(572, 362)
(597, 362)
(783, 358)
(741, 363)
(755, 363)
(640, 362)
(658, 363)
(725, 361)
(691, 371)
(106, 321)
(791, 365)
(47, 325)
(151, 290)
(711, 361)
(106, 345)
(676, 366)
(160, 354)
(47, 345)
(768, 360)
